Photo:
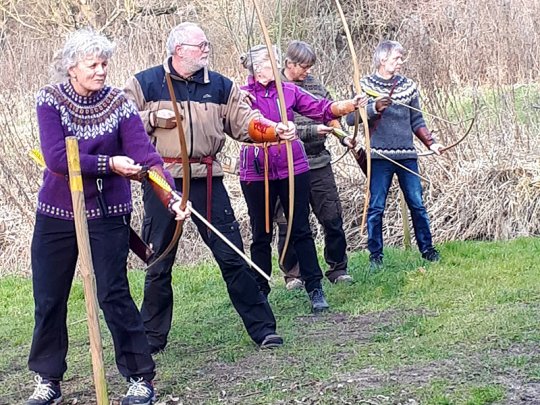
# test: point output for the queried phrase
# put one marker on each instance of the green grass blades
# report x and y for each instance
(460, 331)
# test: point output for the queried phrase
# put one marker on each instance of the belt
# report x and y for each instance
(261, 145)
(208, 161)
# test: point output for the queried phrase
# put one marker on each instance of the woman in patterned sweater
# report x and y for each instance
(113, 146)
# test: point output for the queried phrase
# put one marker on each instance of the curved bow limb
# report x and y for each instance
(284, 120)
(447, 148)
(186, 173)
(362, 111)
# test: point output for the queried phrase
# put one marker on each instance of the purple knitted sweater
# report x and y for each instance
(105, 124)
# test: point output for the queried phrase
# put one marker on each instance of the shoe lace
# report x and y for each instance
(138, 388)
(42, 390)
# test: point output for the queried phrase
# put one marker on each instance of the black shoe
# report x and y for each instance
(140, 392)
(375, 263)
(318, 302)
(271, 341)
(46, 393)
(431, 255)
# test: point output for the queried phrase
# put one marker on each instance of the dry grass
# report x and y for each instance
(466, 55)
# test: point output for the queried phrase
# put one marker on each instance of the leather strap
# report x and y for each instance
(209, 162)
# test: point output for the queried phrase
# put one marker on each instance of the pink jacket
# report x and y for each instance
(266, 102)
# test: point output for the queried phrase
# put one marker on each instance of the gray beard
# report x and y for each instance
(193, 67)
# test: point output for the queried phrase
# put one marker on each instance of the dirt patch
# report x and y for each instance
(344, 328)
(224, 382)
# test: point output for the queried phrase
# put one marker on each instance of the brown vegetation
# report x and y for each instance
(466, 55)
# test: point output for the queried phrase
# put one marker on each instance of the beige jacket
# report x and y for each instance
(211, 106)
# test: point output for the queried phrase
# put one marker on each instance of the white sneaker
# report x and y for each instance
(140, 392)
(45, 393)
(343, 279)
(294, 284)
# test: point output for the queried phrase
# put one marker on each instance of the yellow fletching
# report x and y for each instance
(371, 93)
(160, 181)
(340, 133)
(37, 157)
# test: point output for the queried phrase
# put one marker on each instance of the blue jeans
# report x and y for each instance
(382, 172)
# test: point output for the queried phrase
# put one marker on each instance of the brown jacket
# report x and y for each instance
(211, 106)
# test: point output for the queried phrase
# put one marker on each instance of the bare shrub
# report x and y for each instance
(467, 56)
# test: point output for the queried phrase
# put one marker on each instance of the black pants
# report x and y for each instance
(326, 206)
(301, 237)
(158, 228)
(54, 255)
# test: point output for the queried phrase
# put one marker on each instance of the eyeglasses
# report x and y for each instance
(202, 46)
(304, 66)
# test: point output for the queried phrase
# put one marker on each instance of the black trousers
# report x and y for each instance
(326, 206)
(158, 228)
(54, 256)
(301, 236)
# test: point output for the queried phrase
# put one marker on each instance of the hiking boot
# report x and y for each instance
(431, 255)
(343, 279)
(375, 263)
(46, 392)
(271, 341)
(318, 302)
(294, 284)
(140, 392)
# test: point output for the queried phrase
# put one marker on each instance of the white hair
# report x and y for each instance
(256, 56)
(79, 45)
(384, 49)
(179, 35)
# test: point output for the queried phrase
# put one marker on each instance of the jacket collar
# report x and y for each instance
(254, 84)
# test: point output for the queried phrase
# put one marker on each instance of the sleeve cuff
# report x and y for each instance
(371, 111)
(103, 164)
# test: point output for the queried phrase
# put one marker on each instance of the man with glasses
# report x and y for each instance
(324, 198)
(211, 106)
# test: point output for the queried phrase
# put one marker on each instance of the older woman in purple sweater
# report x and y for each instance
(262, 89)
(113, 145)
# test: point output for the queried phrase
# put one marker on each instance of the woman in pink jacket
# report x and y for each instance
(262, 89)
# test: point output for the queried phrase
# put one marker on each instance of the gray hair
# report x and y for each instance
(384, 49)
(300, 52)
(79, 45)
(256, 56)
(179, 35)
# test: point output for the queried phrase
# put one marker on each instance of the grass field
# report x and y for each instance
(462, 331)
